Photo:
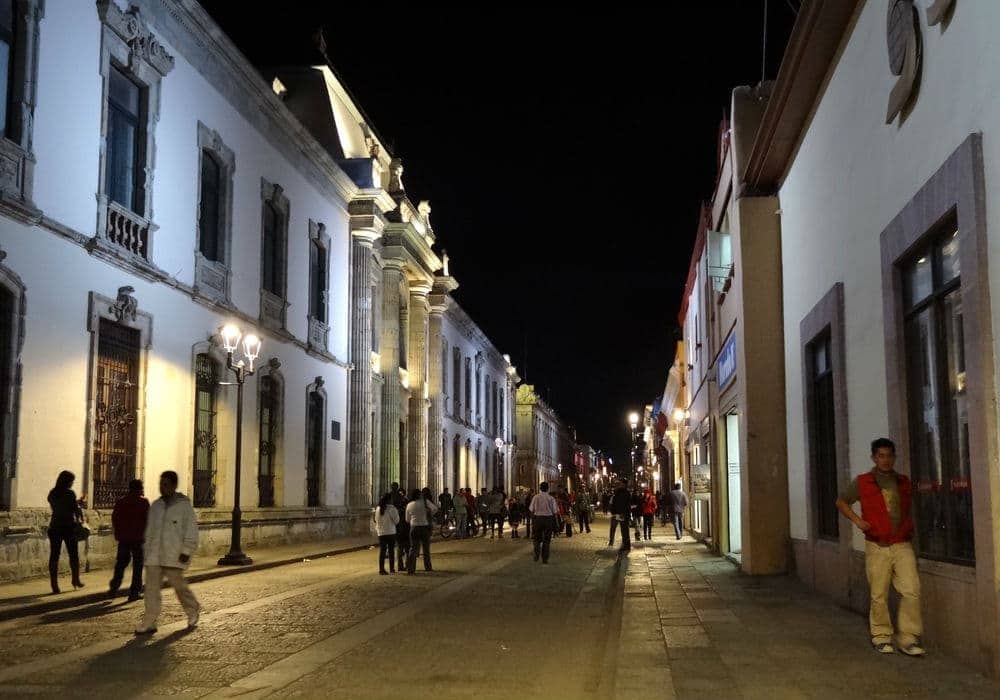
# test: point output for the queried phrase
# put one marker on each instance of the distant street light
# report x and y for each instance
(231, 336)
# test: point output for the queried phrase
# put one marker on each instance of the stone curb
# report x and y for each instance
(220, 572)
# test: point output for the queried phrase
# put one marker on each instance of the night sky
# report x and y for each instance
(565, 156)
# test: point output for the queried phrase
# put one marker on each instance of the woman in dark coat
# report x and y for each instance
(66, 514)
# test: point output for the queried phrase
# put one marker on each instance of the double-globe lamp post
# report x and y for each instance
(243, 368)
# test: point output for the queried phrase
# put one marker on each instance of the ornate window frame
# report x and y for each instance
(213, 278)
(272, 370)
(225, 417)
(17, 157)
(274, 308)
(316, 387)
(10, 401)
(319, 328)
(124, 309)
(128, 42)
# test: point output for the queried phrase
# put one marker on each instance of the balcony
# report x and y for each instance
(127, 231)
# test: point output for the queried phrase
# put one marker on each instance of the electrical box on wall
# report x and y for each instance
(335, 430)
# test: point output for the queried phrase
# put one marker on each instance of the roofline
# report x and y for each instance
(813, 48)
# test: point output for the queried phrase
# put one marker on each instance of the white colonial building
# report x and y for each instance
(154, 188)
(479, 390)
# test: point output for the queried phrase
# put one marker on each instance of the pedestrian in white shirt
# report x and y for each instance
(419, 512)
(544, 510)
(386, 517)
(171, 538)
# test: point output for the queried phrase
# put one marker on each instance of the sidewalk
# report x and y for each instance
(34, 596)
(693, 626)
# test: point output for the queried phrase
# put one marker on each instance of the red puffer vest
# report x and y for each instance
(875, 512)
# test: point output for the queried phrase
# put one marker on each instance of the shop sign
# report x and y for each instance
(727, 362)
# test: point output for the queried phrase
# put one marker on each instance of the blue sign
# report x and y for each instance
(727, 362)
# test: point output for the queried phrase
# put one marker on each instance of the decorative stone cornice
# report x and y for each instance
(189, 29)
(133, 31)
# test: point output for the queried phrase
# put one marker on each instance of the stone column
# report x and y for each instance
(416, 462)
(359, 464)
(392, 276)
(435, 455)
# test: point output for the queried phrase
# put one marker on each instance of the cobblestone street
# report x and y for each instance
(669, 621)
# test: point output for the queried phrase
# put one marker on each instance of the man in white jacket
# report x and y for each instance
(171, 538)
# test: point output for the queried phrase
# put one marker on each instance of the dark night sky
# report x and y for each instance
(565, 157)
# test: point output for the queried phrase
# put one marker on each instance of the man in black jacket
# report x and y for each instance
(620, 503)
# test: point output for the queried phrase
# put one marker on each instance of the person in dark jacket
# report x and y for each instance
(620, 510)
(128, 520)
(66, 514)
(402, 528)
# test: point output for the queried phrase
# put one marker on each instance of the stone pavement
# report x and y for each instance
(34, 596)
(666, 621)
(693, 626)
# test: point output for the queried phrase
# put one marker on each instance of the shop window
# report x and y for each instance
(937, 405)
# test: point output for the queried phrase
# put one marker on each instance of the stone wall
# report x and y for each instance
(24, 547)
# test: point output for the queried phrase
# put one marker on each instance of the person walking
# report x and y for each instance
(497, 500)
(635, 506)
(445, 501)
(398, 500)
(128, 522)
(620, 509)
(386, 517)
(648, 514)
(419, 512)
(582, 506)
(171, 538)
(543, 509)
(483, 509)
(887, 523)
(526, 503)
(677, 501)
(66, 514)
(514, 517)
(461, 508)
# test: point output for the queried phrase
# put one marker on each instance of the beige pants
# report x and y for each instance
(895, 564)
(154, 581)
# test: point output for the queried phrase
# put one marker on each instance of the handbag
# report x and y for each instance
(81, 531)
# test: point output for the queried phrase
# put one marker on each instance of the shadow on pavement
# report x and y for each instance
(83, 613)
(130, 670)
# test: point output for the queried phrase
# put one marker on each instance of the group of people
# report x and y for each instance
(404, 522)
(638, 510)
(160, 538)
(403, 525)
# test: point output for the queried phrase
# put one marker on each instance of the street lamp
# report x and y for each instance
(243, 368)
(633, 421)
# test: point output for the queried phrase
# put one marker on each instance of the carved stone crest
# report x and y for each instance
(903, 43)
(396, 175)
(134, 32)
(938, 10)
(126, 306)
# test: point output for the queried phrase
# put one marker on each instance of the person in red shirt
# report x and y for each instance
(128, 519)
(648, 513)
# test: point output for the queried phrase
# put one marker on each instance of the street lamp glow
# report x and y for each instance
(251, 348)
(231, 337)
(678, 414)
(633, 420)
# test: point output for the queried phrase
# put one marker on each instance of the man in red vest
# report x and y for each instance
(886, 520)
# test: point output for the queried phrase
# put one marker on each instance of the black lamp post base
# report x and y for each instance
(235, 559)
